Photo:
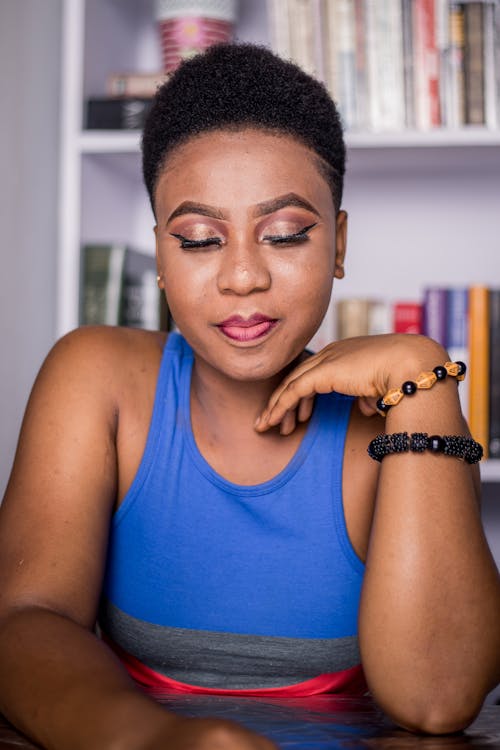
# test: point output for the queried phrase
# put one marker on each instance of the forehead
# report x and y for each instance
(249, 165)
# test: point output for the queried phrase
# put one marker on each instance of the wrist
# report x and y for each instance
(414, 354)
(435, 411)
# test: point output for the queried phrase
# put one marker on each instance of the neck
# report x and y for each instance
(233, 404)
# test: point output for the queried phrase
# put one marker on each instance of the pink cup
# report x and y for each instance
(190, 26)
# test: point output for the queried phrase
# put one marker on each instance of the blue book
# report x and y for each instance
(457, 335)
(457, 318)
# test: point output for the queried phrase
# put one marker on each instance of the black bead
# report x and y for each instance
(409, 387)
(381, 406)
(436, 444)
(440, 372)
(419, 441)
(462, 367)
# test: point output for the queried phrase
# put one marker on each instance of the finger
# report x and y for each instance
(367, 405)
(307, 385)
(305, 409)
(288, 423)
(308, 364)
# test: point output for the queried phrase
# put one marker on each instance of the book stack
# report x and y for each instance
(126, 104)
(119, 287)
(396, 64)
(466, 321)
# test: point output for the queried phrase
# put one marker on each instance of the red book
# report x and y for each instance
(407, 317)
(426, 64)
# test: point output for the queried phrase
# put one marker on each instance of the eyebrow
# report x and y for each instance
(189, 207)
(290, 199)
(261, 209)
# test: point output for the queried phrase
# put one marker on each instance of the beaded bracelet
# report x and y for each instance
(424, 381)
(459, 446)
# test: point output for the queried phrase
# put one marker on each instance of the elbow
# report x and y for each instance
(432, 714)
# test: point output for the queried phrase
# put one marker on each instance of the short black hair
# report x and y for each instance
(237, 85)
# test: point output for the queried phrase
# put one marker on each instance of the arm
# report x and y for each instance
(430, 606)
(66, 689)
(430, 609)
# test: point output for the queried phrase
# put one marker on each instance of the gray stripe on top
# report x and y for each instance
(228, 661)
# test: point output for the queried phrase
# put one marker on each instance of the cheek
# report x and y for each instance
(309, 277)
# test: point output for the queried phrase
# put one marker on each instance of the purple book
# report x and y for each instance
(435, 314)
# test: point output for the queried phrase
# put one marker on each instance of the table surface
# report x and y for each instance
(324, 722)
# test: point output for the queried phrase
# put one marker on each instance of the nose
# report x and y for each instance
(243, 269)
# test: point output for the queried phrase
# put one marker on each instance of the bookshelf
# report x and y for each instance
(422, 204)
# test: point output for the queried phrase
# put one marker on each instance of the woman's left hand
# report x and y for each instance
(365, 366)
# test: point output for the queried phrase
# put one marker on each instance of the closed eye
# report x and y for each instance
(289, 239)
(187, 244)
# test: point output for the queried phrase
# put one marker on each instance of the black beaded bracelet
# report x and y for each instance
(459, 446)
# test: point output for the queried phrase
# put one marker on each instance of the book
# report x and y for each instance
(455, 80)
(494, 413)
(407, 34)
(279, 27)
(342, 44)
(491, 73)
(140, 297)
(380, 317)
(407, 317)
(479, 374)
(457, 335)
(443, 50)
(435, 311)
(384, 47)
(134, 85)
(101, 282)
(426, 67)
(474, 63)
(118, 287)
(362, 104)
(108, 113)
(302, 34)
(353, 317)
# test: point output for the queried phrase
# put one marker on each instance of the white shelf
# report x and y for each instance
(109, 141)
(113, 141)
(490, 470)
(437, 138)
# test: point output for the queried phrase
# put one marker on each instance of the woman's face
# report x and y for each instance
(248, 244)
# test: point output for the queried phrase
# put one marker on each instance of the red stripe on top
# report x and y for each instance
(348, 681)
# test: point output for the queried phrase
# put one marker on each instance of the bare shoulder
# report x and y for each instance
(360, 478)
(63, 485)
(92, 352)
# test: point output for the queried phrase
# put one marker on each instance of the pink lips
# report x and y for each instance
(246, 329)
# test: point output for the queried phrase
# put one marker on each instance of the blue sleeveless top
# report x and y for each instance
(219, 585)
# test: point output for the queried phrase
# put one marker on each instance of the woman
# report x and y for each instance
(209, 499)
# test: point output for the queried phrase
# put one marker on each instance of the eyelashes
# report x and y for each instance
(190, 244)
(289, 239)
(272, 239)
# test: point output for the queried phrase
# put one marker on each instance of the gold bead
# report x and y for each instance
(426, 379)
(452, 368)
(393, 397)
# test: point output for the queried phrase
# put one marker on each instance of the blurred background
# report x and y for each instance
(30, 82)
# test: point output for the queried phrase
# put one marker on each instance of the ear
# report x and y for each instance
(340, 244)
(159, 278)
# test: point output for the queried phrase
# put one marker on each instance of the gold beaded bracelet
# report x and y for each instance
(424, 381)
